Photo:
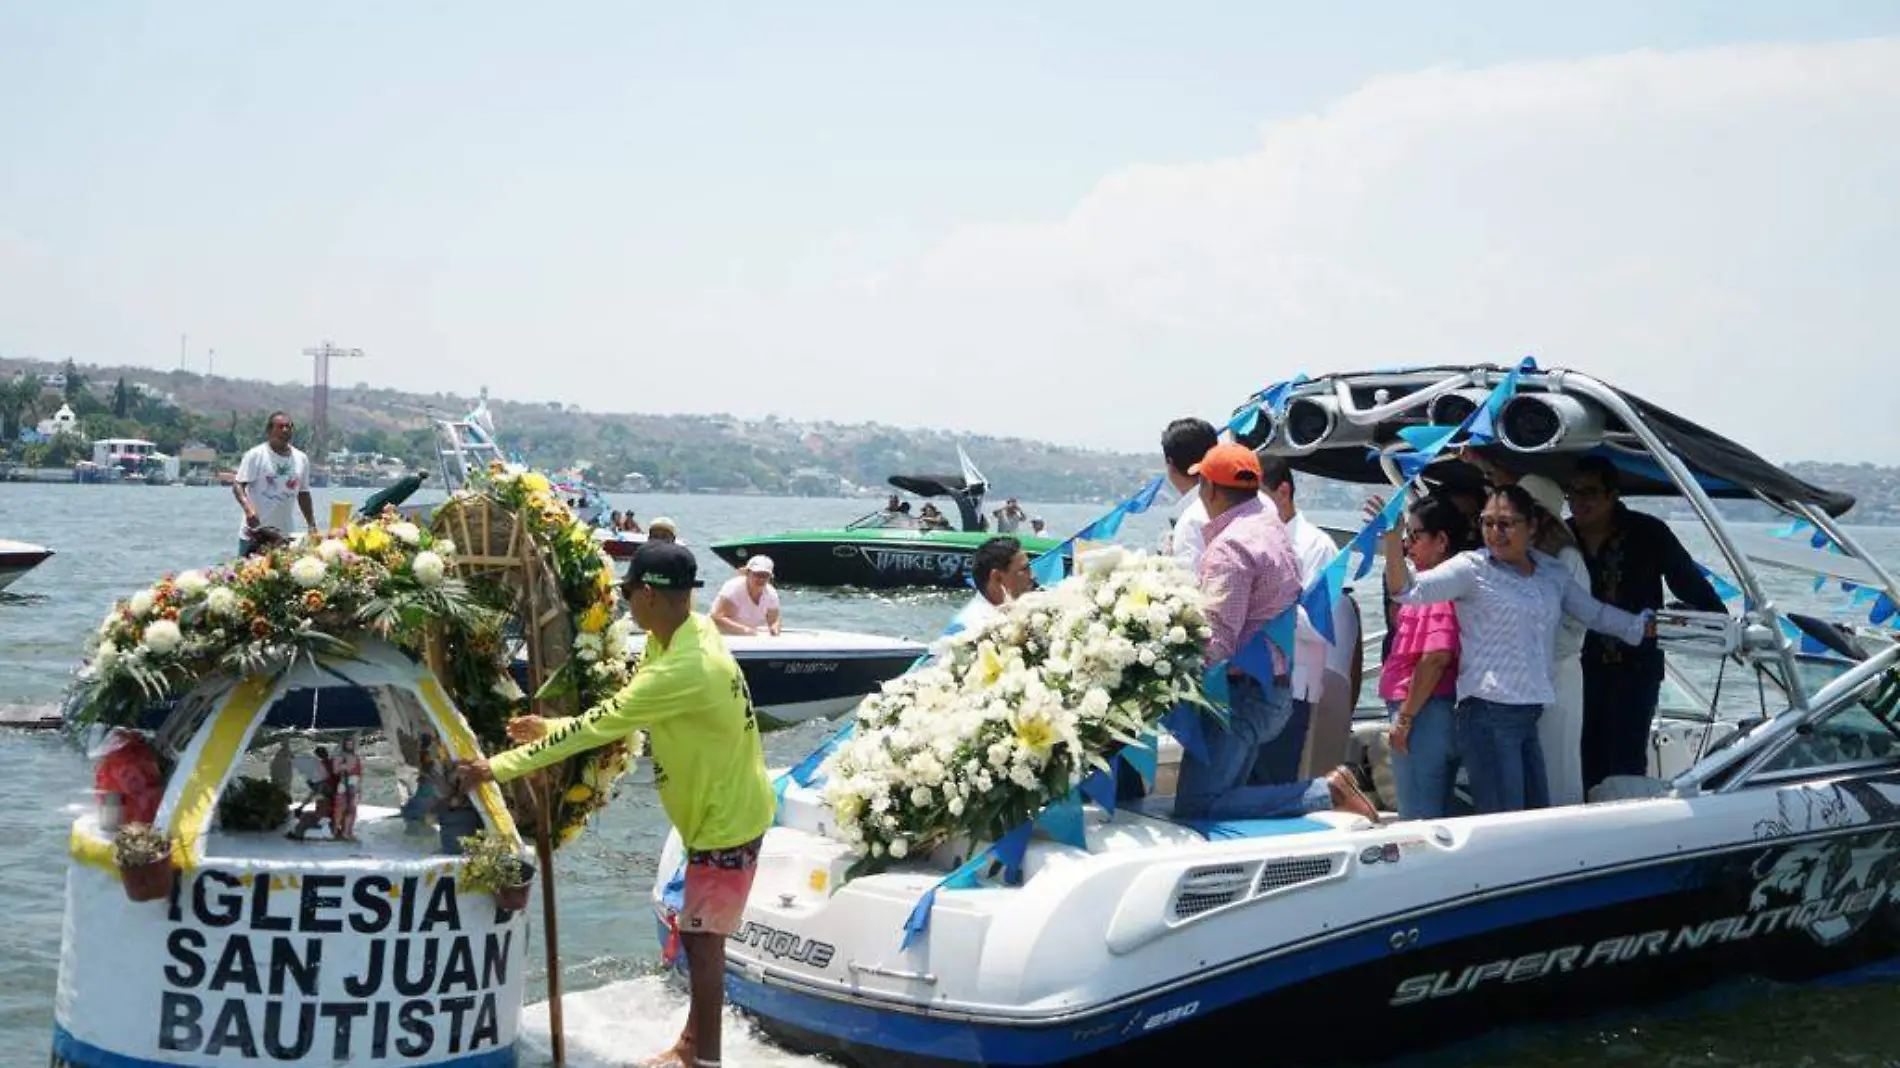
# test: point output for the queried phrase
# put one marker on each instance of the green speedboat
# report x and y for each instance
(884, 549)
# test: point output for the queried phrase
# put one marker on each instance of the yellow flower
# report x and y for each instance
(595, 620)
(1036, 734)
(988, 664)
(535, 483)
(579, 793)
(579, 534)
(568, 834)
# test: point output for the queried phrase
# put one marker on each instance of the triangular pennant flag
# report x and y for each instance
(1279, 633)
(1318, 603)
(1185, 724)
(1144, 758)
(1427, 440)
(1062, 820)
(1047, 568)
(1214, 685)
(969, 874)
(1411, 463)
(1245, 421)
(1884, 609)
(1099, 788)
(1256, 659)
(1010, 850)
(919, 919)
(1145, 498)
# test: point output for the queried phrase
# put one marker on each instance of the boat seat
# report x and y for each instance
(1162, 808)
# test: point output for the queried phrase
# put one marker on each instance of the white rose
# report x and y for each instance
(407, 533)
(1177, 635)
(222, 602)
(1163, 668)
(163, 637)
(141, 604)
(429, 568)
(956, 806)
(921, 796)
(308, 571)
(191, 583)
(108, 656)
(330, 549)
(445, 546)
(899, 848)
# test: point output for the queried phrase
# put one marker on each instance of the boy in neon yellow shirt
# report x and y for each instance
(708, 763)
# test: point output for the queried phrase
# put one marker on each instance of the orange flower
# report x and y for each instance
(169, 613)
(312, 601)
(260, 627)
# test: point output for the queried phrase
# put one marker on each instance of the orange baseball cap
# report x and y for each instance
(1230, 465)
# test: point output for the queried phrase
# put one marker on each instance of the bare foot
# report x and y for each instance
(680, 1056)
(1347, 797)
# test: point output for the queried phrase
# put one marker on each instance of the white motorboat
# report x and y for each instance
(1769, 845)
(19, 557)
(799, 675)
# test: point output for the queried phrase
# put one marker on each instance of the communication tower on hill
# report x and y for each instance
(320, 402)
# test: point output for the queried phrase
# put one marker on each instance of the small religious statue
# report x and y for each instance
(283, 769)
(321, 804)
(349, 791)
(418, 812)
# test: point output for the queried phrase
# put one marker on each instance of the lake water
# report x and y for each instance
(112, 540)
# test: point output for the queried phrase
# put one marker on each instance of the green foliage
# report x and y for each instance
(138, 844)
(490, 864)
(253, 804)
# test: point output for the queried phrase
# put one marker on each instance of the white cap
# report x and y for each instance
(1545, 491)
(662, 521)
(760, 565)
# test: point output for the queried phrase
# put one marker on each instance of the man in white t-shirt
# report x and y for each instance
(747, 604)
(1183, 444)
(269, 478)
(1315, 549)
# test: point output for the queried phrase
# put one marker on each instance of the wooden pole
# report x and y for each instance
(543, 801)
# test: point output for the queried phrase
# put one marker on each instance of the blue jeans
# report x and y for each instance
(1501, 752)
(1428, 771)
(1279, 757)
(1214, 785)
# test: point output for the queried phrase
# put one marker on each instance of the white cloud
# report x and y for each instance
(1715, 230)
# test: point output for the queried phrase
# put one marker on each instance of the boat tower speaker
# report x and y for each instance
(1262, 432)
(1453, 408)
(1315, 422)
(1544, 422)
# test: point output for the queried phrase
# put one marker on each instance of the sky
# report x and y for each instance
(1072, 222)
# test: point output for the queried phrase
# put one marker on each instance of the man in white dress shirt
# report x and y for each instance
(1000, 569)
(1183, 444)
(1280, 761)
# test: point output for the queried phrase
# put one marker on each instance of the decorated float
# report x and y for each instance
(209, 923)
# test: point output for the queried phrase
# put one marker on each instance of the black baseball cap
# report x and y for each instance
(663, 565)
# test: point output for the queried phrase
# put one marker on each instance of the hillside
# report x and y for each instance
(695, 453)
(698, 453)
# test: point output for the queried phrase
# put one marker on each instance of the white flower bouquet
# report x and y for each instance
(1015, 714)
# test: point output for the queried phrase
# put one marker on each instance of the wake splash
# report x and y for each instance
(625, 1022)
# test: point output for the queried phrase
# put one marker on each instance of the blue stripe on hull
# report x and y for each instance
(68, 1050)
(918, 1035)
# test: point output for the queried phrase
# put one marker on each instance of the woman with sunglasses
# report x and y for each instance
(1418, 678)
(1511, 599)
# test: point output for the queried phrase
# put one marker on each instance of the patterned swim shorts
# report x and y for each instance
(718, 881)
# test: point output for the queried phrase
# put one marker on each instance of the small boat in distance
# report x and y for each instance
(886, 549)
(19, 557)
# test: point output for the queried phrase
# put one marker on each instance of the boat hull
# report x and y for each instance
(801, 675)
(1421, 945)
(873, 559)
(17, 558)
(794, 677)
(1617, 955)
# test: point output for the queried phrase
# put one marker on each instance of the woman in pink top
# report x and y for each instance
(1418, 680)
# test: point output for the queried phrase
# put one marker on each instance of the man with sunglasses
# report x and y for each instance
(1630, 556)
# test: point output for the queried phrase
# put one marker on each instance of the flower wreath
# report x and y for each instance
(391, 578)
